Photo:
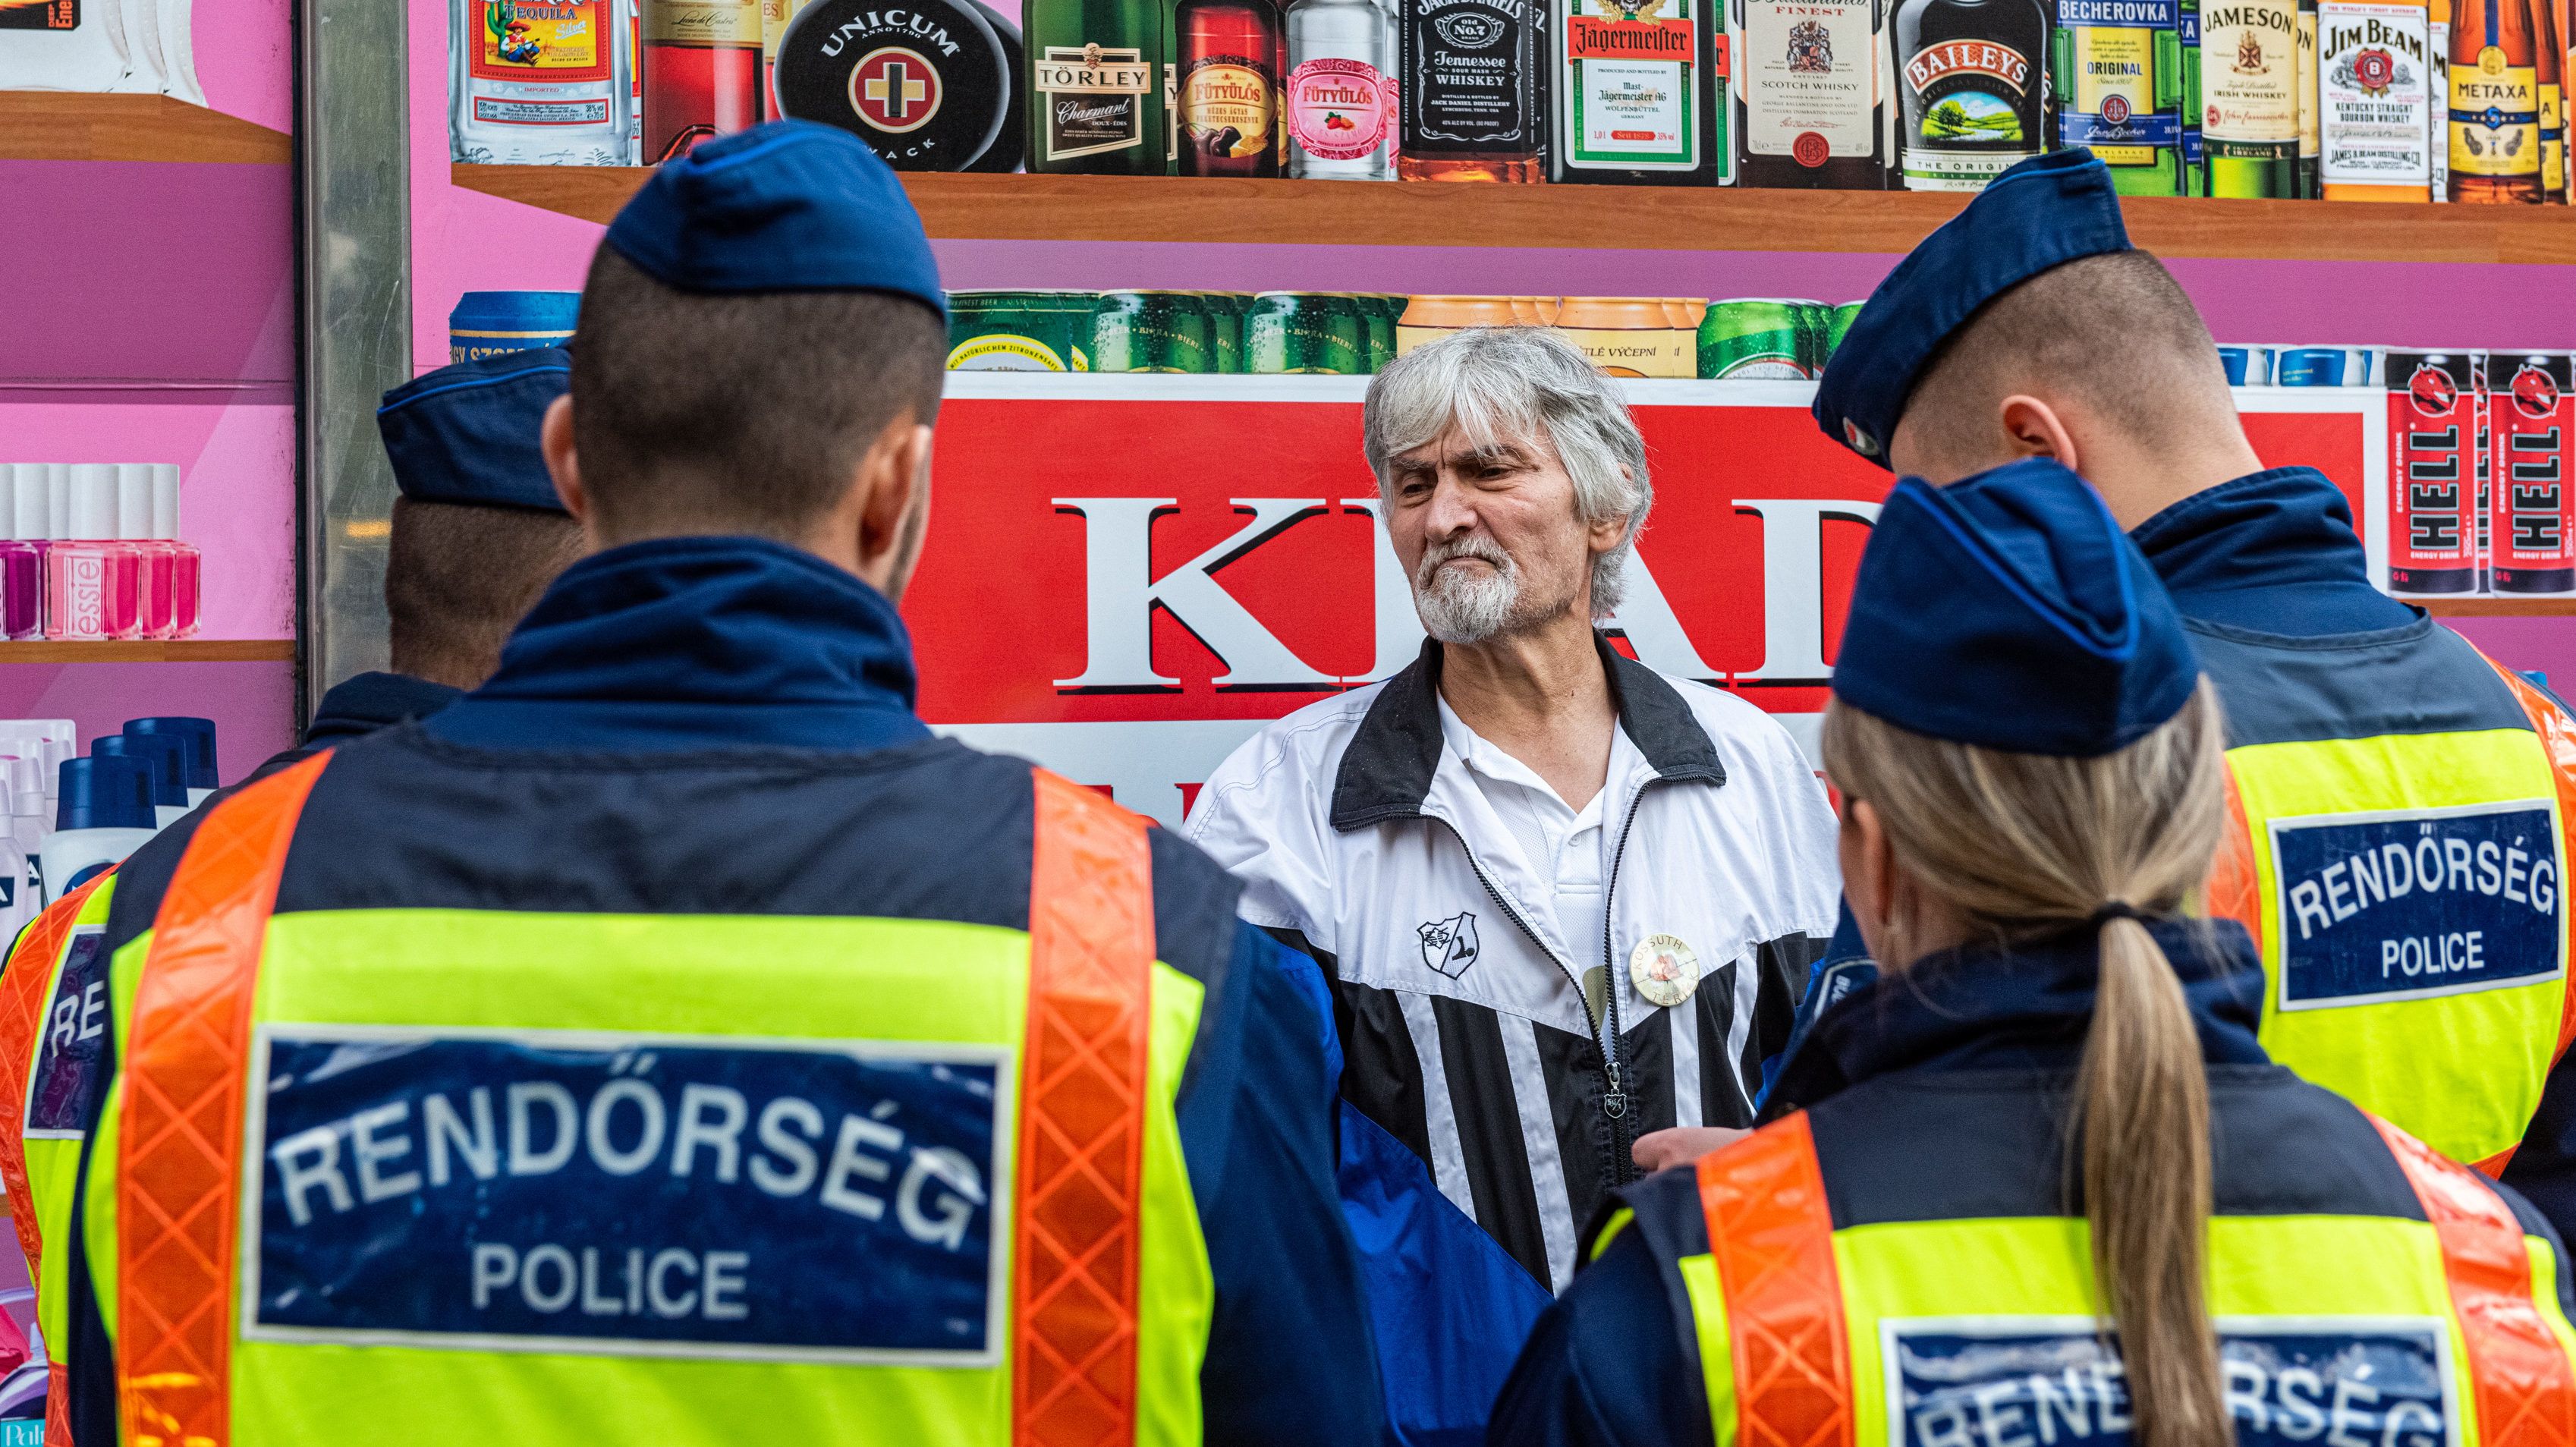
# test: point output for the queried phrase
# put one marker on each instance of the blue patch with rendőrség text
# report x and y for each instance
(2290, 1382)
(702, 1196)
(2419, 902)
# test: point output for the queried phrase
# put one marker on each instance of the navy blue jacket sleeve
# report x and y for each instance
(1290, 1359)
(1605, 1367)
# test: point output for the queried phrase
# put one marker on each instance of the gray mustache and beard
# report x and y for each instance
(1459, 605)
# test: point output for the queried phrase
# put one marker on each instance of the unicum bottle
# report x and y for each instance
(1097, 79)
(1474, 90)
(2119, 89)
(1639, 93)
(2495, 103)
(1969, 76)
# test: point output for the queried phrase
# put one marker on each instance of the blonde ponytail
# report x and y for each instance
(2026, 846)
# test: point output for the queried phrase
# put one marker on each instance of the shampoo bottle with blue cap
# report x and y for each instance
(168, 760)
(102, 813)
(198, 735)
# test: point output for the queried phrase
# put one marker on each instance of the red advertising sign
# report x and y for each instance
(1127, 575)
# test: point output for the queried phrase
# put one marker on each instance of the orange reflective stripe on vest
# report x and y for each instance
(1771, 1232)
(2233, 891)
(179, 1147)
(2526, 1391)
(23, 987)
(1082, 1122)
(2558, 741)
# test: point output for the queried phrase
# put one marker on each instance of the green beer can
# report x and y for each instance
(1306, 332)
(1837, 322)
(1379, 311)
(1152, 331)
(1757, 338)
(1019, 331)
(1225, 311)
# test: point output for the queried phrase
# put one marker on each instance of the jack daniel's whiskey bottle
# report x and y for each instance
(1807, 93)
(1971, 75)
(1474, 90)
(1097, 80)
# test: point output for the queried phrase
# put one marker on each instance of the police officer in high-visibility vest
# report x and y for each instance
(2038, 1182)
(2399, 804)
(477, 533)
(673, 1041)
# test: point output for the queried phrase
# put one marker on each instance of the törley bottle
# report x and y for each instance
(1474, 90)
(1228, 87)
(1339, 104)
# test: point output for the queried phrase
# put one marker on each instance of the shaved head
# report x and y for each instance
(2109, 341)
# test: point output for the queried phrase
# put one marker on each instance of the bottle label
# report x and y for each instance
(1808, 88)
(1631, 84)
(2113, 107)
(44, 15)
(2249, 73)
(2187, 25)
(1968, 97)
(1095, 99)
(2311, 125)
(1228, 107)
(2375, 108)
(2495, 117)
(700, 24)
(1473, 74)
(1340, 110)
(544, 42)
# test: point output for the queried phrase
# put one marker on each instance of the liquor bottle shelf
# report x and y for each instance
(1153, 208)
(39, 125)
(2497, 607)
(185, 650)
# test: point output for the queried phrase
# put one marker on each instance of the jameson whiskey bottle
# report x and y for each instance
(1229, 88)
(1096, 87)
(1640, 91)
(2495, 103)
(2118, 88)
(1474, 90)
(2195, 148)
(1808, 101)
(702, 75)
(2305, 180)
(1970, 76)
(2249, 76)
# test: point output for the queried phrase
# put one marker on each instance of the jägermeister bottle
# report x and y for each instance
(2249, 79)
(1970, 75)
(1096, 86)
(1640, 93)
(2119, 90)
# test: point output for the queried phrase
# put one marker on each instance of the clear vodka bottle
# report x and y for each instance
(1340, 100)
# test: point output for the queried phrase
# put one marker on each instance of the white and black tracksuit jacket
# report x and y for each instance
(1361, 839)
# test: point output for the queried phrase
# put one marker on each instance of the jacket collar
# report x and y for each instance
(2026, 1008)
(1387, 770)
(2272, 552)
(367, 702)
(705, 642)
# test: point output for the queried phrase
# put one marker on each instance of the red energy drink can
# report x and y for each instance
(2432, 472)
(2531, 408)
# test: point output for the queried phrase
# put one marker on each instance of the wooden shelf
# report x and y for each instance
(186, 650)
(2497, 607)
(42, 125)
(1326, 213)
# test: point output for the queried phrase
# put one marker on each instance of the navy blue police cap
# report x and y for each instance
(467, 433)
(2045, 212)
(787, 206)
(2010, 611)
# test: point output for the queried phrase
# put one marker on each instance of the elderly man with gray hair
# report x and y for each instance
(1564, 900)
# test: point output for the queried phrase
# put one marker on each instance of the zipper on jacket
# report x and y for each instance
(1623, 1166)
(1616, 1103)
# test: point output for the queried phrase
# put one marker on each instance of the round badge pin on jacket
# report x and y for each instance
(1664, 969)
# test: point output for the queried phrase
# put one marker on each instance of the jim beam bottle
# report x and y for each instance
(1809, 98)
(701, 73)
(1640, 94)
(2375, 101)
(2249, 77)
(2495, 103)
(2432, 472)
(2305, 182)
(2118, 88)
(2531, 531)
(1096, 87)
(1474, 90)
(1228, 78)
(1970, 77)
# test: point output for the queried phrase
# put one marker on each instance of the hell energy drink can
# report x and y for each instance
(2432, 472)
(2531, 410)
